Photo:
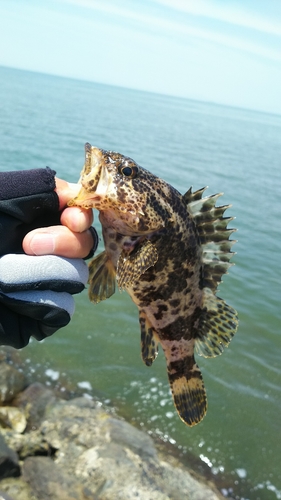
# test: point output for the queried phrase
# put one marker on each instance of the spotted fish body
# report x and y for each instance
(169, 252)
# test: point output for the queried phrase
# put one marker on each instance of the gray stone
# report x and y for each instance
(12, 382)
(5, 496)
(117, 473)
(9, 464)
(26, 445)
(49, 481)
(34, 400)
(15, 489)
(128, 436)
(13, 418)
(11, 356)
(114, 460)
(70, 422)
(89, 454)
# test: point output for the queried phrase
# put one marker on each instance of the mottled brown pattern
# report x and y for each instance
(155, 239)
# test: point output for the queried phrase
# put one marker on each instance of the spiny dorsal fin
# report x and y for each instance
(189, 196)
(213, 233)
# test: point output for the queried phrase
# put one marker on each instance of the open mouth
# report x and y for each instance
(102, 181)
(94, 179)
(94, 171)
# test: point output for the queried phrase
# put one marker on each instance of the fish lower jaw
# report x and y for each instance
(85, 199)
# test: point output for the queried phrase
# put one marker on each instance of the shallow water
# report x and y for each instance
(46, 120)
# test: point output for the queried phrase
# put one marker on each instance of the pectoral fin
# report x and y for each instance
(131, 267)
(149, 340)
(101, 278)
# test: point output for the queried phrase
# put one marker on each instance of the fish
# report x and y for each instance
(169, 252)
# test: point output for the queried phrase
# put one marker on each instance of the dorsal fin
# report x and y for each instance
(213, 233)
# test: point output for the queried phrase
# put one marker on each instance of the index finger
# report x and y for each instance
(77, 219)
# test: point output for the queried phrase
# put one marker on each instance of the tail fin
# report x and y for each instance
(101, 278)
(188, 390)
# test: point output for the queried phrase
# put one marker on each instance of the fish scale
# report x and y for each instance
(169, 252)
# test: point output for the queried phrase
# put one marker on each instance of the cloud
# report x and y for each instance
(160, 23)
(210, 9)
(197, 49)
(231, 14)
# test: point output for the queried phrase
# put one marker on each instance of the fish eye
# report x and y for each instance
(129, 171)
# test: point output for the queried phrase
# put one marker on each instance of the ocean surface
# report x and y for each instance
(45, 120)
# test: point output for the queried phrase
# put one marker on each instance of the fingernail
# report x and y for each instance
(42, 244)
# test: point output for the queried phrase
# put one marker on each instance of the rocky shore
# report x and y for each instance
(57, 449)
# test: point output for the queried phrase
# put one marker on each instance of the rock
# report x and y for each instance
(9, 464)
(112, 459)
(15, 489)
(12, 382)
(11, 356)
(79, 450)
(78, 422)
(49, 481)
(64, 424)
(5, 496)
(29, 444)
(117, 473)
(12, 417)
(114, 473)
(178, 483)
(128, 436)
(34, 401)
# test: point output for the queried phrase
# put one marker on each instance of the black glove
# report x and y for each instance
(35, 292)
(35, 295)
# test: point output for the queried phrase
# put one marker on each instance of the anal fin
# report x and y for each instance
(131, 267)
(101, 278)
(216, 327)
(149, 340)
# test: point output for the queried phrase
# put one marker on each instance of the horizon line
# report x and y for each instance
(134, 89)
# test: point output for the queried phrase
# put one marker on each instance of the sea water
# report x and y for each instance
(45, 120)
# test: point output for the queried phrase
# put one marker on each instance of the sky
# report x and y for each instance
(221, 51)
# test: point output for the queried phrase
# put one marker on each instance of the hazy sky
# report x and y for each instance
(222, 51)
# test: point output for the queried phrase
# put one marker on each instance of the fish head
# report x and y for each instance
(122, 191)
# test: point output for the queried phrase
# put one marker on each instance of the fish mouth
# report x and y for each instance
(94, 179)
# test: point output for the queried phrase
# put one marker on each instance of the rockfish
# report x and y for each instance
(169, 252)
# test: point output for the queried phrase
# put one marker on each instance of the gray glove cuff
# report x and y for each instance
(20, 272)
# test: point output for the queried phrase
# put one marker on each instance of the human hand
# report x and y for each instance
(73, 238)
(36, 295)
(36, 289)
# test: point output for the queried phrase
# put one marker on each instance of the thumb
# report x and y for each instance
(58, 240)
